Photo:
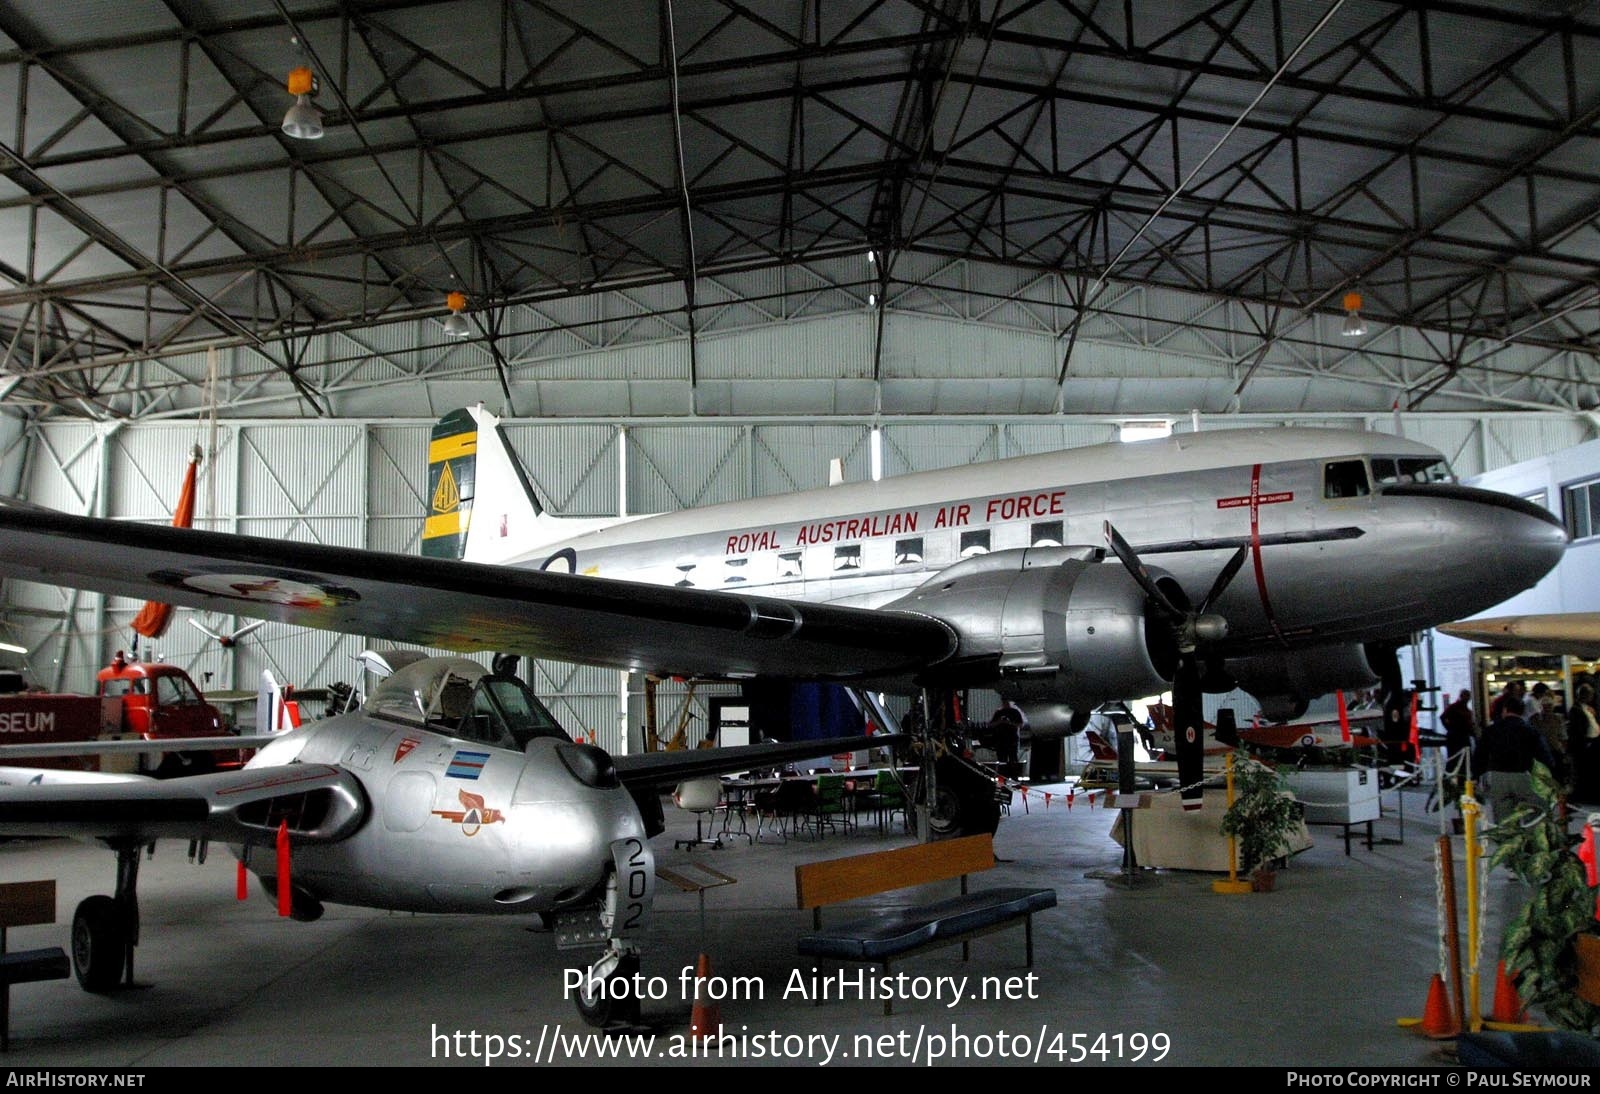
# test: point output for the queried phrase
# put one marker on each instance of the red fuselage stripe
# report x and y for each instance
(1255, 548)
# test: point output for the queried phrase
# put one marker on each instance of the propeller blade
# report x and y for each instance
(1189, 731)
(253, 625)
(201, 627)
(1131, 563)
(1224, 579)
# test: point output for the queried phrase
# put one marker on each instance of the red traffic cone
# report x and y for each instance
(1437, 1021)
(705, 1020)
(1508, 1008)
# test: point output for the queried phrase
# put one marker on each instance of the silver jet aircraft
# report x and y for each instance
(1286, 561)
(452, 790)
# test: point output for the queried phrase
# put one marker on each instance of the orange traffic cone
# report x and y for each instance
(705, 1020)
(1437, 1021)
(1508, 1008)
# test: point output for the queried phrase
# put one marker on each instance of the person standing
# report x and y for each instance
(1504, 759)
(1553, 728)
(1460, 728)
(1582, 731)
(1510, 696)
(1006, 728)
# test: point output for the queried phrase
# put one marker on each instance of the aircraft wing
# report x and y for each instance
(469, 606)
(321, 803)
(1576, 633)
(12, 753)
(662, 768)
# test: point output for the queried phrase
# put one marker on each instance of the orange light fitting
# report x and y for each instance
(456, 301)
(1352, 301)
(301, 81)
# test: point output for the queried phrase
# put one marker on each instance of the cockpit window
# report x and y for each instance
(460, 698)
(1390, 470)
(1346, 479)
(517, 710)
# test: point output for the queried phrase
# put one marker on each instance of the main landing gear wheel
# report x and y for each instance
(963, 802)
(99, 944)
(944, 815)
(606, 997)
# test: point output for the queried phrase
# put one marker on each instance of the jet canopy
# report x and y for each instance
(461, 698)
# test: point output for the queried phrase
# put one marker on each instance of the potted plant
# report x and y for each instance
(1546, 939)
(1263, 817)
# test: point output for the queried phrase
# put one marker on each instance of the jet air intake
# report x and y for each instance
(1050, 624)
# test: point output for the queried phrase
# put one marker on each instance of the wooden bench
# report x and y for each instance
(900, 932)
(26, 904)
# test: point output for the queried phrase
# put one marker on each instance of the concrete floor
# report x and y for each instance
(1313, 974)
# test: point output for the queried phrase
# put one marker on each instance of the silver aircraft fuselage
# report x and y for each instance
(454, 825)
(1335, 553)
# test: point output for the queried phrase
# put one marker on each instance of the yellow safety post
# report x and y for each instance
(1470, 810)
(1233, 884)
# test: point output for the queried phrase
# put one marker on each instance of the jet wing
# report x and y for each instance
(469, 606)
(1575, 633)
(320, 803)
(13, 753)
(662, 768)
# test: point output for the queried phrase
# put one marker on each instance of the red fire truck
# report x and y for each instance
(135, 699)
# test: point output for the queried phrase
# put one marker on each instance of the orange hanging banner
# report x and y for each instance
(1344, 718)
(154, 618)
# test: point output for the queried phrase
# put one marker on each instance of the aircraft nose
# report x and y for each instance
(1529, 546)
(1489, 547)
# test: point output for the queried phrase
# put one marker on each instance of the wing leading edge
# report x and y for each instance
(469, 606)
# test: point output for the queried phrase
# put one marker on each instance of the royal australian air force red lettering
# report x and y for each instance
(900, 522)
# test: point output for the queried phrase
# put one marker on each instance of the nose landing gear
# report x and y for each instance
(608, 996)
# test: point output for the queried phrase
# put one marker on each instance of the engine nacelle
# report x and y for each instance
(1284, 681)
(1051, 624)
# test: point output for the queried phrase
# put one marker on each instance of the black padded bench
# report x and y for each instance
(31, 966)
(900, 932)
(26, 904)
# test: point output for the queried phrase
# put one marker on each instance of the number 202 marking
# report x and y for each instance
(638, 883)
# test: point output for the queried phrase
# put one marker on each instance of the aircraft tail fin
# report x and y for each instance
(276, 708)
(481, 504)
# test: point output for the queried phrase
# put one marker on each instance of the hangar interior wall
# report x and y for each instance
(362, 483)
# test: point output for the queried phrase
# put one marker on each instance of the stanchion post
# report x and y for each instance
(1233, 884)
(1469, 818)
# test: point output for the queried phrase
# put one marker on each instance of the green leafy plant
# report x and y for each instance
(1264, 814)
(1539, 947)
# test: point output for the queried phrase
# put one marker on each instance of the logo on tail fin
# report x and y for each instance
(446, 498)
(452, 474)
